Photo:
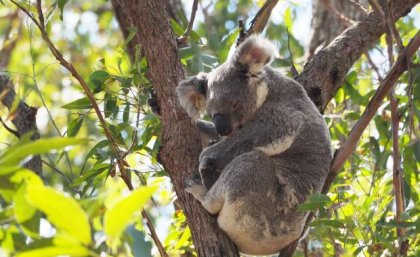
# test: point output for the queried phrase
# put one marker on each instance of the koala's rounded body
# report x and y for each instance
(274, 151)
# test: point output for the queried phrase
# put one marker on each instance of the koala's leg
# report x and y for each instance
(212, 202)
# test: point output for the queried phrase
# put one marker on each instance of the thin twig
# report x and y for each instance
(358, 6)
(14, 132)
(40, 14)
(346, 21)
(373, 65)
(293, 69)
(392, 27)
(183, 38)
(63, 175)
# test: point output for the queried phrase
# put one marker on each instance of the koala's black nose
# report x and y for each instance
(222, 124)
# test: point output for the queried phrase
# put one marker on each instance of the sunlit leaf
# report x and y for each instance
(62, 211)
(97, 80)
(82, 103)
(315, 201)
(61, 4)
(37, 147)
(120, 215)
(53, 251)
(74, 126)
(288, 21)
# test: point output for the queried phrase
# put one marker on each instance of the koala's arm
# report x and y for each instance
(272, 134)
(207, 129)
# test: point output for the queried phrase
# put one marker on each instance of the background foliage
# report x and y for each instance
(81, 206)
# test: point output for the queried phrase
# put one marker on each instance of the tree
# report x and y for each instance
(157, 47)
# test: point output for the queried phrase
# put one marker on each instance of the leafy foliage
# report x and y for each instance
(82, 207)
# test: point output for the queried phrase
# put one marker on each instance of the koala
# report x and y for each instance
(273, 149)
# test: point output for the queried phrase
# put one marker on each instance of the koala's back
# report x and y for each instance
(310, 155)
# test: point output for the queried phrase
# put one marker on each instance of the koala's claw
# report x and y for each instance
(192, 187)
(189, 183)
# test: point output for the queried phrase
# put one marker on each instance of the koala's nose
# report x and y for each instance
(222, 124)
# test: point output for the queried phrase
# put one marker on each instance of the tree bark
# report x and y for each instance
(180, 140)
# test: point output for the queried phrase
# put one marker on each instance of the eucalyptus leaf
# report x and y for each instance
(62, 211)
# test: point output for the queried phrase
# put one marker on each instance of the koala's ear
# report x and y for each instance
(192, 94)
(254, 53)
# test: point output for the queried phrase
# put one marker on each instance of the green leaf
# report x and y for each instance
(26, 214)
(417, 150)
(82, 103)
(61, 4)
(394, 224)
(10, 179)
(91, 173)
(288, 21)
(139, 245)
(126, 113)
(52, 251)
(40, 146)
(331, 223)
(97, 79)
(178, 29)
(118, 217)
(62, 211)
(74, 126)
(111, 107)
(315, 201)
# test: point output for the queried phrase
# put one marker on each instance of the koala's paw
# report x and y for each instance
(207, 164)
(194, 188)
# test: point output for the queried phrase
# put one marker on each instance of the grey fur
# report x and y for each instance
(277, 154)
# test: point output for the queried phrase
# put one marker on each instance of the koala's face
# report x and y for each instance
(233, 92)
(233, 95)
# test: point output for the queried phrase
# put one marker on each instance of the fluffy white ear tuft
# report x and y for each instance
(255, 52)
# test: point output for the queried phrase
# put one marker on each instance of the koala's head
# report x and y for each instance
(233, 92)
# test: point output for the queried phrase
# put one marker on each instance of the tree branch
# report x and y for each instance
(324, 74)
(260, 20)
(186, 34)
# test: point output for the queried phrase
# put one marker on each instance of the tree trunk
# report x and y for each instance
(180, 140)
